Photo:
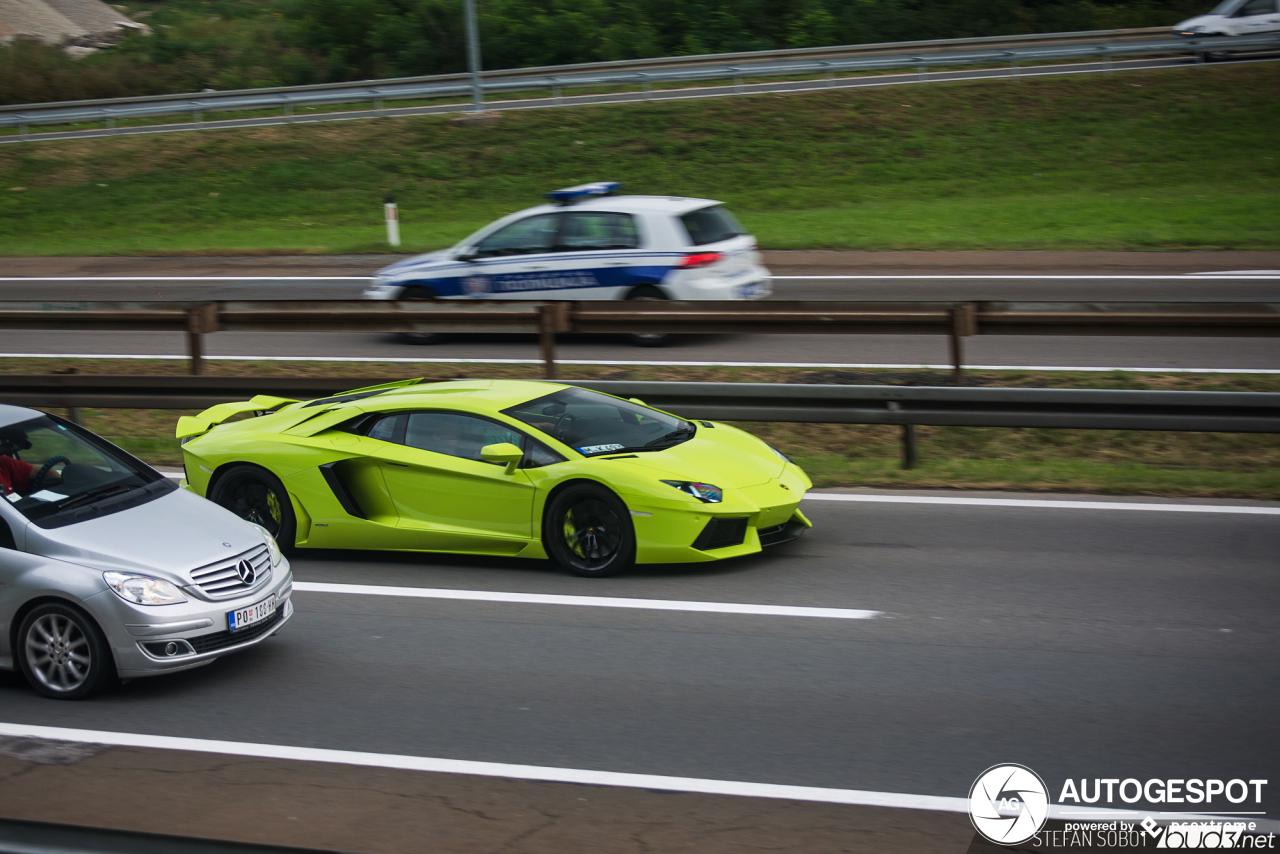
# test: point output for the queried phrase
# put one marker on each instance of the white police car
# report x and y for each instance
(589, 244)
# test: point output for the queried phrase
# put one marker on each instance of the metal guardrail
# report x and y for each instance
(1009, 50)
(956, 320)
(941, 406)
(905, 406)
(1094, 409)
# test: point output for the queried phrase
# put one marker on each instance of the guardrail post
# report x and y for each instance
(200, 321)
(964, 322)
(908, 446)
(547, 326)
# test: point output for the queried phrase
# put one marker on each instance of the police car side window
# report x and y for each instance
(711, 225)
(598, 230)
(524, 237)
(1256, 7)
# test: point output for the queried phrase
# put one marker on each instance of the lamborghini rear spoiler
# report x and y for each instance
(195, 425)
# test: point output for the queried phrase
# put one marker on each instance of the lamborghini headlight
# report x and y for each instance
(704, 492)
(272, 545)
(143, 589)
(781, 455)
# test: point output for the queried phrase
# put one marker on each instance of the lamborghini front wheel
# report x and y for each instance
(587, 530)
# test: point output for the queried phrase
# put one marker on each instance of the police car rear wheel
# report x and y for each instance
(648, 339)
(416, 294)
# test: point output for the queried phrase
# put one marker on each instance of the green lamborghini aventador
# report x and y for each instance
(497, 467)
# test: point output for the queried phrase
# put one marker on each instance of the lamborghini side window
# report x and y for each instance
(537, 455)
(385, 429)
(456, 434)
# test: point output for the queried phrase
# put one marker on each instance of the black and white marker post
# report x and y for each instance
(393, 221)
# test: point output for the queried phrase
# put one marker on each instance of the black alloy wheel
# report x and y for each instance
(418, 294)
(62, 652)
(587, 530)
(256, 495)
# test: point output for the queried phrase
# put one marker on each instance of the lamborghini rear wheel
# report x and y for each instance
(256, 495)
(587, 530)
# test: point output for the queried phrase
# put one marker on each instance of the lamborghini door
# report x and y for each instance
(442, 489)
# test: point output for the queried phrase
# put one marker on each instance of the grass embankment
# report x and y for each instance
(1098, 461)
(1142, 160)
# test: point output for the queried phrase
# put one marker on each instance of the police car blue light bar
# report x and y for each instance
(569, 195)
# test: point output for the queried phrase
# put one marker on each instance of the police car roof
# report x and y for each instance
(660, 204)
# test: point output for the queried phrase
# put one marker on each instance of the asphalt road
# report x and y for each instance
(824, 286)
(1082, 643)
(1151, 352)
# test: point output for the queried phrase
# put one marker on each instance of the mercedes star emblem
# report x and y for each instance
(244, 569)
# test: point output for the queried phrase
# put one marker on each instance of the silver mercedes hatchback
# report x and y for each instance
(109, 571)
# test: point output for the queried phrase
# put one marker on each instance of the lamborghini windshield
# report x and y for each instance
(592, 423)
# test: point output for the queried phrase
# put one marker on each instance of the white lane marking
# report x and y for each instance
(462, 360)
(185, 278)
(1240, 509)
(539, 773)
(1239, 274)
(173, 475)
(492, 769)
(587, 601)
(1242, 275)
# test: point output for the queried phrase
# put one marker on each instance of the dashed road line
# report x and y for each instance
(585, 601)
(1238, 509)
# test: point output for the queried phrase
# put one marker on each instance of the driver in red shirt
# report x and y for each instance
(15, 475)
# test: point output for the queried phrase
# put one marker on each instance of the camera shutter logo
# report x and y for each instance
(245, 570)
(1008, 804)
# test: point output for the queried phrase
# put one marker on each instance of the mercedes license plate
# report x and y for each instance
(242, 617)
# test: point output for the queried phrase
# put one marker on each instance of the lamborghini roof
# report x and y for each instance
(480, 395)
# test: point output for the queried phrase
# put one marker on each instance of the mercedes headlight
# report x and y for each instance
(704, 492)
(272, 545)
(143, 589)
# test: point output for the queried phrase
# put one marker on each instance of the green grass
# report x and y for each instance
(1142, 160)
